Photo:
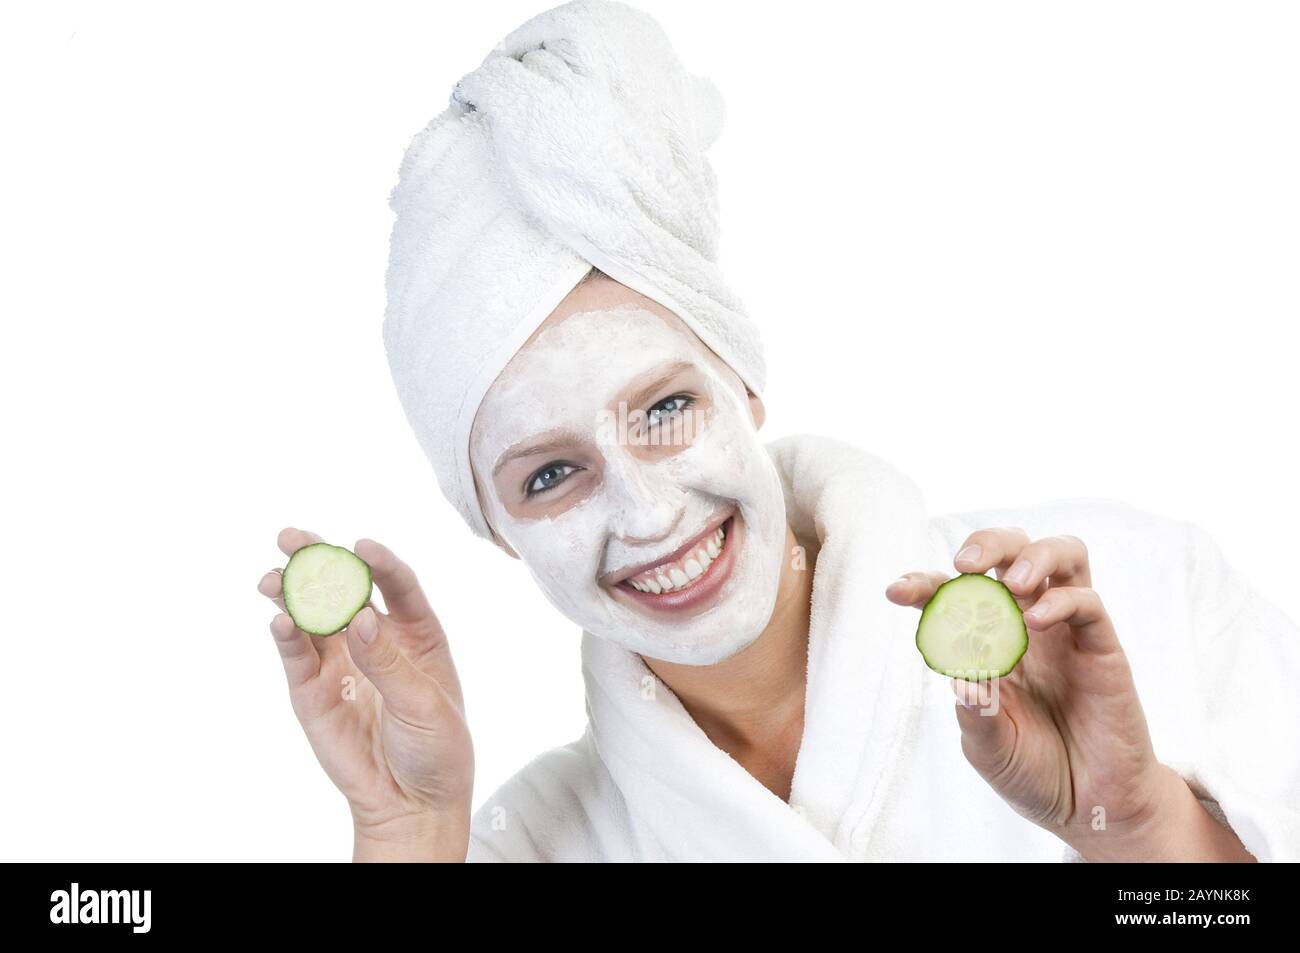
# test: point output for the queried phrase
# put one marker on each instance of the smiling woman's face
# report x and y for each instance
(619, 458)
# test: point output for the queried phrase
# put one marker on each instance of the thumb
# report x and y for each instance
(988, 735)
(407, 692)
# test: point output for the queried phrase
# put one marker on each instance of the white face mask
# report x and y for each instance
(607, 502)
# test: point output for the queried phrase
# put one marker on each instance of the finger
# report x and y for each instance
(291, 540)
(408, 693)
(1079, 608)
(418, 633)
(269, 586)
(988, 735)
(1057, 560)
(915, 588)
(403, 597)
(986, 548)
(333, 652)
(297, 651)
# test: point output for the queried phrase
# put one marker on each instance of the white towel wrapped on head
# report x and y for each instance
(579, 141)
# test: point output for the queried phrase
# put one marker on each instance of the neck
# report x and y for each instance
(752, 704)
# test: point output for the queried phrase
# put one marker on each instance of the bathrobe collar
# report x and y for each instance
(690, 800)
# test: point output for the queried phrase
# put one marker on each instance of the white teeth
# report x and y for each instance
(668, 578)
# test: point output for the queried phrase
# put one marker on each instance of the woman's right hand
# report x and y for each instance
(381, 706)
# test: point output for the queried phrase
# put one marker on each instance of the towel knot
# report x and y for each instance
(607, 117)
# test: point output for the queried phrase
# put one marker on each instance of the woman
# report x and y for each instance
(753, 689)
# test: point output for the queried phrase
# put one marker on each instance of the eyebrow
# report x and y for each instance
(553, 444)
(661, 378)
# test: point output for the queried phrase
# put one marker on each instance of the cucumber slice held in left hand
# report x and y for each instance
(324, 586)
(972, 628)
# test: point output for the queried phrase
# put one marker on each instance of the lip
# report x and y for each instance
(703, 589)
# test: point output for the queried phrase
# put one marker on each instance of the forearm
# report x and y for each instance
(412, 840)
(1180, 831)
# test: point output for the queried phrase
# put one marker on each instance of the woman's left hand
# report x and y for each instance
(1062, 738)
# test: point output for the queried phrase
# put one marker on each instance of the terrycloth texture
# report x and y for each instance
(880, 774)
(579, 141)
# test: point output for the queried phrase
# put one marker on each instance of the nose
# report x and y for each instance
(646, 505)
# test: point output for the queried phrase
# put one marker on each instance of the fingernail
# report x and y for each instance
(968, 555)
(1018, 573)
(366, 628)
(900, 581)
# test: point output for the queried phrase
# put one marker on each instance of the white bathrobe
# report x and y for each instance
(880, 774)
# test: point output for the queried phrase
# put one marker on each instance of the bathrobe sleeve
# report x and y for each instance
(1246, 762)
(1214, 661)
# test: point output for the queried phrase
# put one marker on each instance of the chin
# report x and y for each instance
(707, 640)
(700, 654)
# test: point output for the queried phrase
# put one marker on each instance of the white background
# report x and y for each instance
(1024, 251)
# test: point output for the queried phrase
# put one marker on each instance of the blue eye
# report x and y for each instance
(668, 408)
(549, 476)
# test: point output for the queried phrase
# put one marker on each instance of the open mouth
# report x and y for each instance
(688, 576)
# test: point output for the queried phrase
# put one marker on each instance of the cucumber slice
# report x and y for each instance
(324, 586)
(972, 629)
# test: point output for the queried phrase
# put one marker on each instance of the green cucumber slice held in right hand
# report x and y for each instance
(972, 628)
(324, 586)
